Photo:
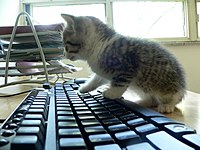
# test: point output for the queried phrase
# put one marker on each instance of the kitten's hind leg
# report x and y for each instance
(92, 84)
(147, 100)
(167, 103)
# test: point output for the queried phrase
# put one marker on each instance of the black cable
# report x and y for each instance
(15, 94)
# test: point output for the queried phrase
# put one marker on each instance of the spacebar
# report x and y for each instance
(165, 141)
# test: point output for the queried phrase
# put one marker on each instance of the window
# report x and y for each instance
(165, 20)
(198, 14)
(51, 14)
(149, 19)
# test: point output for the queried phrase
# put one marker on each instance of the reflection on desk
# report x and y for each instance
(188, 111)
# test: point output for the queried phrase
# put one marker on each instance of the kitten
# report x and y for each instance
(124, 62)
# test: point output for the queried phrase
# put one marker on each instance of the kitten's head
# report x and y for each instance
(74, 35)
(82, 35)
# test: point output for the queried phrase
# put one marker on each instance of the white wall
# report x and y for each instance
(9, 9)
(189, 57)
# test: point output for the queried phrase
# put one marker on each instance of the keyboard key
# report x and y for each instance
(3, 142)
(98, 108)
(11, 126)
(67, 124)
(84, 112)
(63, 108)
(62, 102)
(72, 143)
(16, 120)
(120, 112)
(163, 120)
(140, 146)
(27, 122)
(98, 138)
(75, 100)
(117, 127)
(81, 108)
(90, 122)
(84, 95)
(126, 135)
(179, 129)
(63, 105)
(38, 111)
(34, 123)
(112, 106)
(82, 117)
(7, 133)
(128, 116)
(68, 88)
(19, 115)
(23, 108)
(111, 121)
(91, 102)
(108, 147)
(69, 132)
(146, 129)
(64, 113)
(94, 105)
(98, 97)
(107, 103)
(78, 105)
(137, 121)
(193, 139)
(34, 116)
(26, 143)
(98, 112)
(146, 112)
(75, 86)
(66, 118)
(94, 93)
(31, 131)
(126, 138)
(38, 103)
(94, 129)
(164, 141)
(105, 116)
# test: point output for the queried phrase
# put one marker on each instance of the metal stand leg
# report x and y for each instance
(37, 41)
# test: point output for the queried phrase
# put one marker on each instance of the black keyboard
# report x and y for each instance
(61, 118)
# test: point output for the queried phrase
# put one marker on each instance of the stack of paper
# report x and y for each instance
(25, 52)
(25, 47)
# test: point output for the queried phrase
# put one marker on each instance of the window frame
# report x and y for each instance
(190, 13)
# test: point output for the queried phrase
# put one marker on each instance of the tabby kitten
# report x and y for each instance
(124, 62)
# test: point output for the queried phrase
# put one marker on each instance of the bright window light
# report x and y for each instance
(51, 14)
(198, 12)
(149, 19)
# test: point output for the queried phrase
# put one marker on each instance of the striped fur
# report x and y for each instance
(124, 62)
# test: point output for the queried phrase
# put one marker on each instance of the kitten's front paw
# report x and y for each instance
(84, 89)
(166, 108)
(110, 94)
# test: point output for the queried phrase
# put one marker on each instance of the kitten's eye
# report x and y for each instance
(72, 47)
(72, 44)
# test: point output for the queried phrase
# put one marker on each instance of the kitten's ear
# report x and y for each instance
(70, 22)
